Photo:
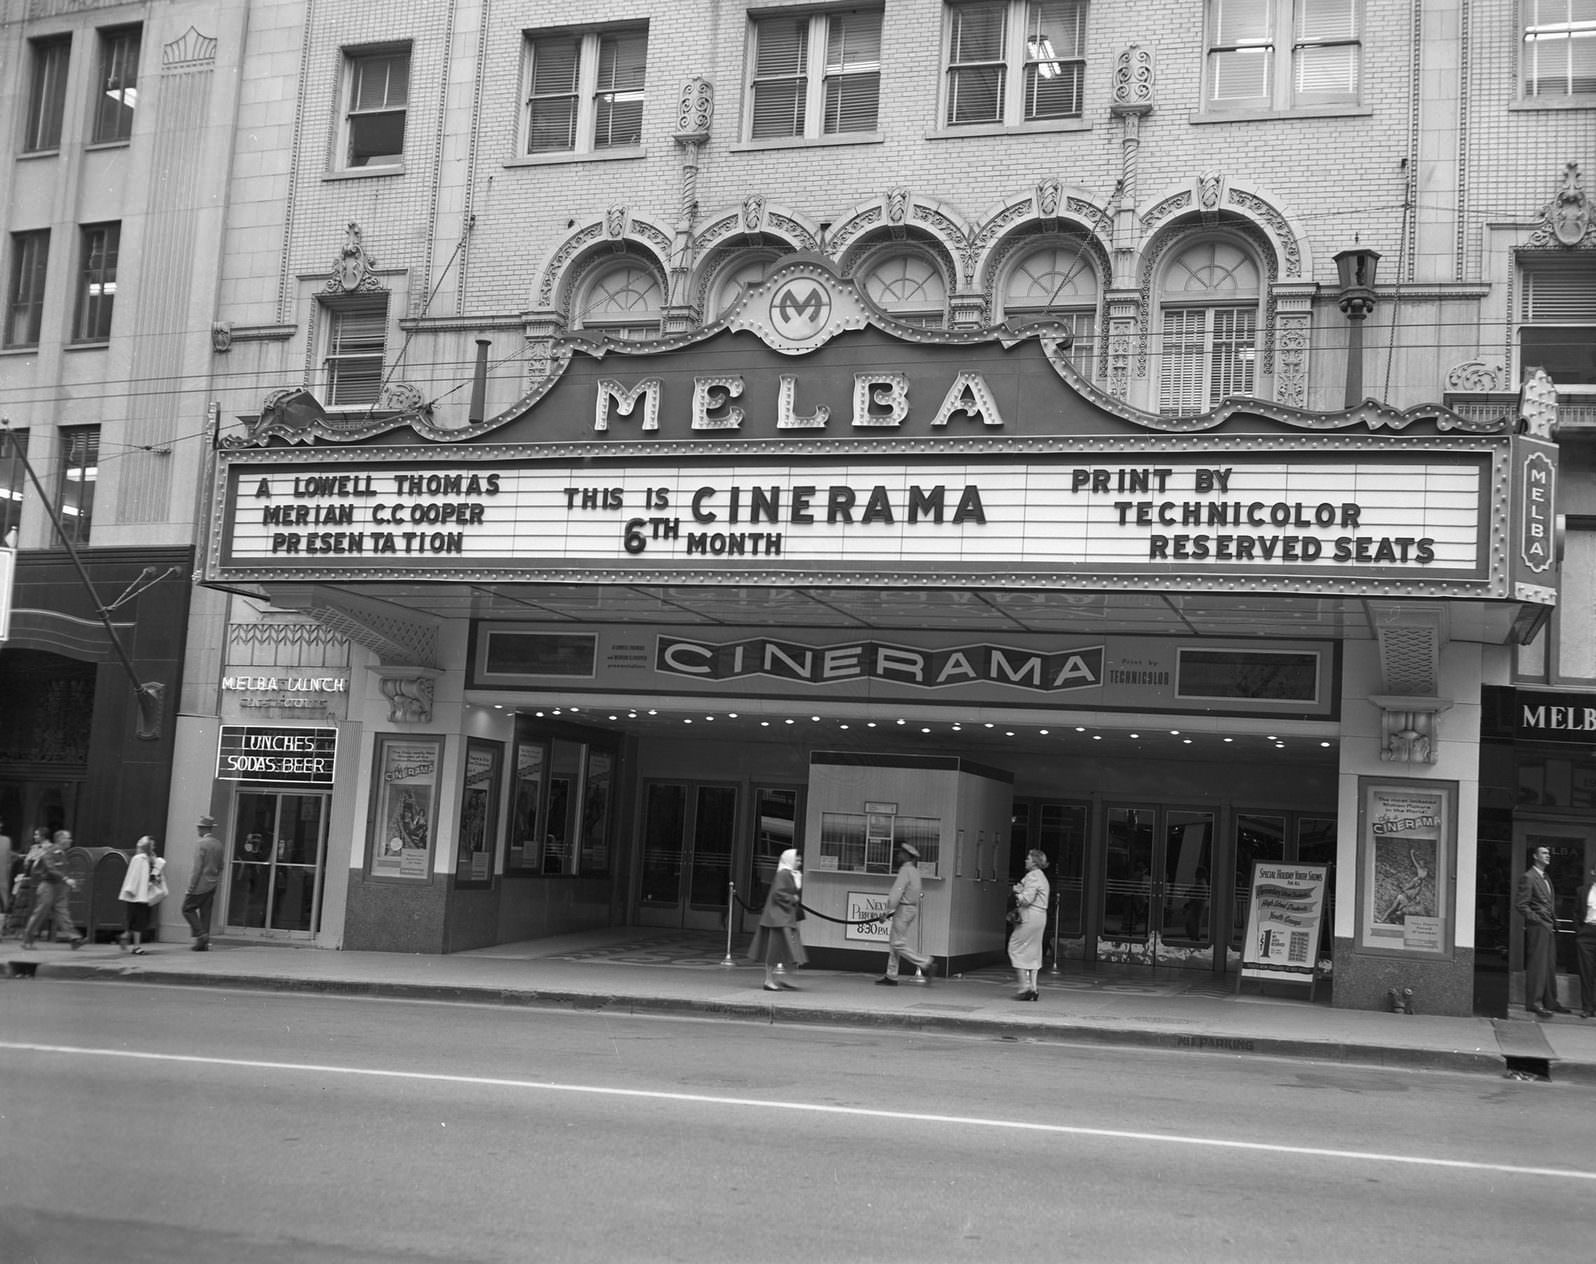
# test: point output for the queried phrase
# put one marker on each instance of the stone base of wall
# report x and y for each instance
(1365, 980)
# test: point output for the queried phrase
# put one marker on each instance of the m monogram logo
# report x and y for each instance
(799, 307)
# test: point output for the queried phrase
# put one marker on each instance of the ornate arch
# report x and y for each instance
(900, 215)
(755, 225)
(1182, 229)
(1052, 208)
(590, 243)
(1211, 197)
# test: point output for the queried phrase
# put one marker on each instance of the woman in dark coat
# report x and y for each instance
(776, 941)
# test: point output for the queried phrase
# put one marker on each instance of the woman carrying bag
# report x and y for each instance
(142, 889)
(776, 941)
(1025, 942)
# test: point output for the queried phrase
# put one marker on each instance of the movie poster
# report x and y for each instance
(479, 797)
(1406, 843)
(403, 819)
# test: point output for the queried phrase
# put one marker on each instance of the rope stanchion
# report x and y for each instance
(731, 901)
(1058, 897)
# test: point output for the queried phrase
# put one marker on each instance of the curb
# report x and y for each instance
(1057, 1032)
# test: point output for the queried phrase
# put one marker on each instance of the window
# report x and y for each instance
(1015, 61)
(1055, 283)
(1558, 319)
(1209, 303)
(585, 91)
(80, 470)
(1559, 47)
(30, 252)
(46, 94)
(379, 94)
(13, 448)
(357, 335)
(1251, 68)
(816, 74)
(909, 287)
(117, 92)
(96, 282)
(623, 301)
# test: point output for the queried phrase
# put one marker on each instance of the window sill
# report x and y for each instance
(1534, 104)
(566, 156)
(1008, 129)
(1290, 112)
(25, 155)
(87, 346)
(365, 173)
(95, 145)
(807, 142)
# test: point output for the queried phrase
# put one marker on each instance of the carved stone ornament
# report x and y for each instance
(352, 268)
(1476, 376)
(221, 335)
(1048, 193)
(1569, 212)
(1409, 728)
(1133, 81)
(897, 206)
(409, 699)
(1210, 186)
(615, 223)
(754, 213)
(695, 111)
(1537, 405)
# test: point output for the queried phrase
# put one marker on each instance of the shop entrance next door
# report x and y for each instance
(689, 836)
(276, 863)
(1156, 902)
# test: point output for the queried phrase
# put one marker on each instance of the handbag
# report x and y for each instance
(158, 888)
(1012, 917)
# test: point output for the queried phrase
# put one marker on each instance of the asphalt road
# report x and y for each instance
(144, 1123)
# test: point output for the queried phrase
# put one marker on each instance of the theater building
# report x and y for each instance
(649, 441)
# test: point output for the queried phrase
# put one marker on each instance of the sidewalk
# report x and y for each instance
(637, 970)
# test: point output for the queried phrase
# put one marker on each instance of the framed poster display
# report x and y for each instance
(526, 805)
(479, 813)
(1407, 863)
(404, 810)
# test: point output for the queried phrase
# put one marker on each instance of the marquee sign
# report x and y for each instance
(1246, 512)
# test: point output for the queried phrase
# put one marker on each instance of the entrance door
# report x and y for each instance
(1573, 848)
(278, 861)
(689, 838)
(1156, 900)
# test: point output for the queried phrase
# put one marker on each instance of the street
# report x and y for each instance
(150, 1123)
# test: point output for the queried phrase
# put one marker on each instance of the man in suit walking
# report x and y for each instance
(1536, 905)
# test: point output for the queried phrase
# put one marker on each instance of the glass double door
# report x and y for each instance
(1155, 904)
(689, 841)
(276, 862)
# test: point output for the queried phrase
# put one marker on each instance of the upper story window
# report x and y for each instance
(49, 59)
(98, 247)
(13, 475)
(79, 472)
(379, 99)
(1559, 48)
(908, 286)
(357, 341)
(30, 255)
(623, 300)
(1208, 302)
(1055, 283)
(1015, 61)
(1283, 54)
(585, 90)
(1557, 315)
(815, 74)
(117, 91)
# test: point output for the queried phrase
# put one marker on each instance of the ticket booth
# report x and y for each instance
(955, 813)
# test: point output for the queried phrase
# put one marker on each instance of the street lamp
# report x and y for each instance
(1356, 268)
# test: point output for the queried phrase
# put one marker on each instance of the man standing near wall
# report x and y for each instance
(1536, 906)
(202, 882)
(903, 907)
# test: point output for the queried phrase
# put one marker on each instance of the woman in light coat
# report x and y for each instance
(1025, 945)
(142, 889)
(776, 941)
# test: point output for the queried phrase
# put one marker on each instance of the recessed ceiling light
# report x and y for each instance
(687, 720)
(1135, 734)
(764, 724)
(1097, 737)
(1009, 733)
(815, 718)
(1174, 732)
(1324, 744)
(902, 721)
(844, 726)
(1230, 739)
(1186, 741)
(790, 720)
(925, 730)
(1043, 732)
(651, 711)
(1080, 728)
(870, 724)
(615, 717)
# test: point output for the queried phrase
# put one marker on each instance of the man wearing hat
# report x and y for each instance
(202, 881)
(903, 907)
